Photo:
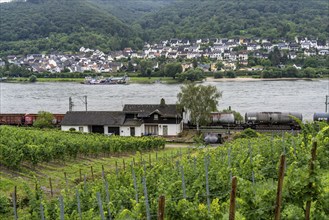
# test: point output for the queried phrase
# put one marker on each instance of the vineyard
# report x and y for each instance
(197, 184)
(19, 145)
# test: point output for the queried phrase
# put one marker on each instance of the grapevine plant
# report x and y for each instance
(19, 145)
(182, 180)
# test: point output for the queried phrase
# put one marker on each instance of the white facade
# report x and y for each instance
(126, 131)
(163, 129)
(81, 128)
(170, 129)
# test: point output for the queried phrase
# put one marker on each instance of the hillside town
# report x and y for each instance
(231, 52)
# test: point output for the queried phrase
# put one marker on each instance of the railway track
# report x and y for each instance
(239, 129)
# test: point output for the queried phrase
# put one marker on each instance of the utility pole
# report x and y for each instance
(327, 102)
(70, 104)
(86, 103)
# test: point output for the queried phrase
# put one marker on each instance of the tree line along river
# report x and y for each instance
(304, 96)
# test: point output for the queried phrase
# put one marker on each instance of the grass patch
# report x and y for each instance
(147, 80)
(25, 79)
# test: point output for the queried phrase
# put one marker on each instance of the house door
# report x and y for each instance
(165, 130)
(97, 129)
(132, 131)
(114, 130)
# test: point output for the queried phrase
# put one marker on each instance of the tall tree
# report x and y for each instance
(195, 63)
(172, 69)
(144, 66)
(275, 56)
(130, 67)
(191, 75)
(199, 101)
(219, 65)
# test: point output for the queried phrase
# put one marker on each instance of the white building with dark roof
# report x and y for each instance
(134, 120)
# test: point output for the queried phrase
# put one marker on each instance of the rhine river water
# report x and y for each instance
(304, 96)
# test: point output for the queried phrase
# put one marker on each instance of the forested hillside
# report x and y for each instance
(130, 10)
(39, 26)
(42, 25)
(255, 18)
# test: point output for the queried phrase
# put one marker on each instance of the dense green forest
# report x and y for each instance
(65, 25)
(255, 18)
(132, 10)
(44, 25)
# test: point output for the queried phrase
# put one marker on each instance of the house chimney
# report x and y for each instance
(162, 102)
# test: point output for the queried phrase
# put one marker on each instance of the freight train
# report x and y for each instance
(26, 119)
(256, 120)
(264, 120)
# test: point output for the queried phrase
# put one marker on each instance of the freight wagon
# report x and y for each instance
(272, 119)
(26, 119)
(12, 119)
(321, 117)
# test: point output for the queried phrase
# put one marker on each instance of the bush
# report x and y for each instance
(218, 75)
(44, 120)
(230, 74)
(4, 204)
(247, 133)
(191, 75)
(33, 78)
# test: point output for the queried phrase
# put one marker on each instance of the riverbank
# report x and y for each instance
(162, 80)
(248, 79)
(139, 80)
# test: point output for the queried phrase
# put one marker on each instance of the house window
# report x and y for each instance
(156, 117)
(151, 130)
(81, 129)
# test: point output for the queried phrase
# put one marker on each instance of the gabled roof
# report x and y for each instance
(133, 122)
(169, 111)
(93, 118)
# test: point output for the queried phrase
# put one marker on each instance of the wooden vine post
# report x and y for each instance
(161, 208)
(232, 198)
(311, 183)
(51, 187)
(92, 172)
(103, 172)
(279, 190)
(14, 202)
(80, 175)
(66, 182)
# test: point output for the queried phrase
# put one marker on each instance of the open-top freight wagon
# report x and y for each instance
(26, 119)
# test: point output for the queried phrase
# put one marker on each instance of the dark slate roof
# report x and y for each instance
(133, 122)
(93, 118)
(169, 111)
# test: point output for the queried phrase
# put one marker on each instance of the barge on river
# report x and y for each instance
(106, 81)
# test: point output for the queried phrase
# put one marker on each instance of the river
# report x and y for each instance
(304, 96)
